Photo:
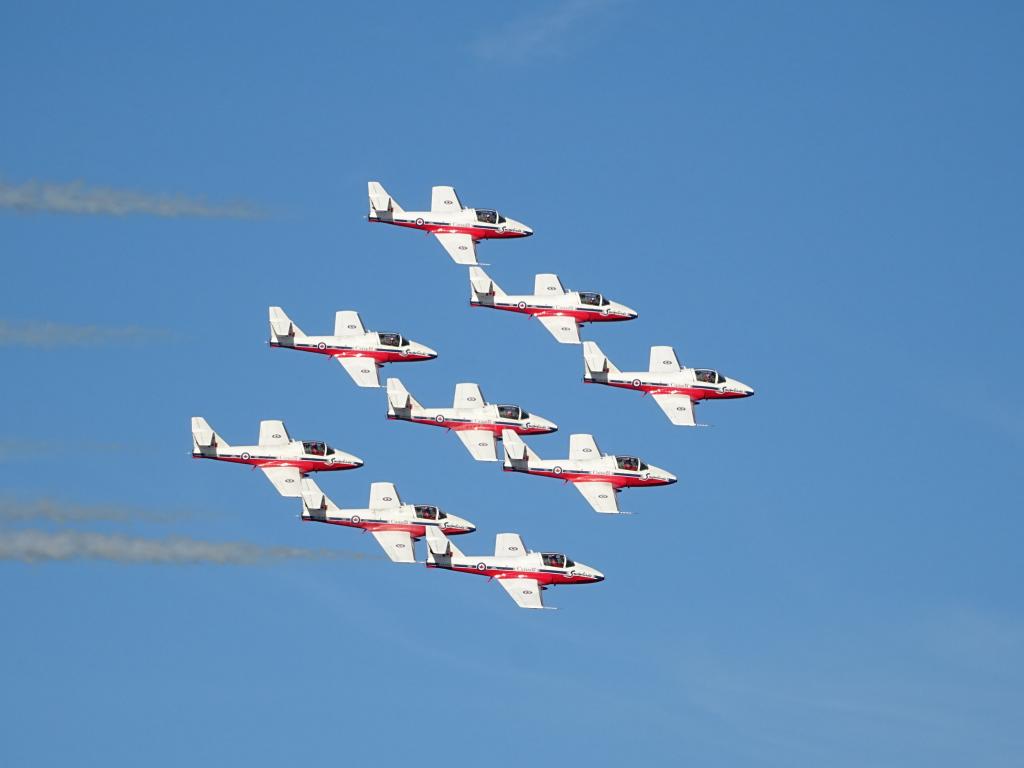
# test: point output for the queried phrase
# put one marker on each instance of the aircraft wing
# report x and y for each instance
(444, 200)
(601, 497)
(564, 329)
(285, 479)
(480, 443)
(526, 592)
(384, 496)
(272, 432)
(397, 545)
(583, 448)
(468, 395)
(363, 370)
(460, 247)
(664, 360)
(347, 323)
(678, 408)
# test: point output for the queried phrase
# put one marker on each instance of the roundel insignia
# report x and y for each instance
(588, 450)
(439, 419)
(513, 549)
(527, 591)
(471, 398)
(321, 345)
(399, 546)
(449, 202)
(558, 470)
(245, 456)
(386, 498)
(482, 445)
(419, 222)
(667, 362)
(355, 519)
(636, 382)
(364, 370)
(602, 496)
(463, 248)
(351, 326)
(289, 480)
(480, 566)
(522, 305)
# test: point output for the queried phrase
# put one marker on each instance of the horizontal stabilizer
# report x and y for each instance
(314, 500)
(595, 359)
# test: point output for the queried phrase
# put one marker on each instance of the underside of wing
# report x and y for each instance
(526, 592)
(285, 479)
(562, 328)
(480, 443)
(601, 497)
(363, 370)
(397, 545)
(678, 408)
(460, 247)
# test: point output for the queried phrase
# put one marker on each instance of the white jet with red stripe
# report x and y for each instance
(284, 461)
(599, 477)
(478, 424)
(676, 390)
(394, 524)
(559, 310)
(456, 227)
(359, 351)
(523, 574)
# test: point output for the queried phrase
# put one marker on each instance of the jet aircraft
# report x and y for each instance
(360, 352)
(457, 228)
(597, 476)
(478, 424)
(393, 524)
(283, 460)
(559, 310)
(675, 389)
(520, 572)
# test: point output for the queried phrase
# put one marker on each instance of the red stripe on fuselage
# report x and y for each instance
(474, 426)
(546, 579)
(477, 233)
(692, 392)
(618, 481)
(302, 466)
(377, 355)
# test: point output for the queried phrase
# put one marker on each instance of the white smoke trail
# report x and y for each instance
(32, 546)
(76, 197)
(62, 335)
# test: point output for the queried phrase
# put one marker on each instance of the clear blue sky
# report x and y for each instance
(821, 199)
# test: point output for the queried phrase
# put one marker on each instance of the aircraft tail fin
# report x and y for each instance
(440, 549)
(481, 287)
(314, 501)
(596, 365)
(400, 402)
(282, 329)
(204, 440)
(518, 454)
(382, 205)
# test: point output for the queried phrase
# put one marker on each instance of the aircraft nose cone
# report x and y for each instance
(598, 576)
(670, 478)
(427, 352)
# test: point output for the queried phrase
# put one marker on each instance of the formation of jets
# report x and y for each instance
(479, 425)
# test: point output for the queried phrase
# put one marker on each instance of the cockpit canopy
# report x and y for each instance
(429, 513)
(316, 449)
(709, 377)
(512, 412)
(486, 216)
(631, 463)
(393, 340)
(554, 560)
(593, 299)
